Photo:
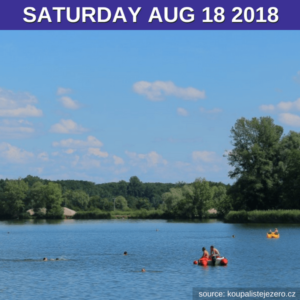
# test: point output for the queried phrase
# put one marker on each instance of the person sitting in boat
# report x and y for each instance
(214, 251)
(205, 253)
(270, 231)
(276, 231)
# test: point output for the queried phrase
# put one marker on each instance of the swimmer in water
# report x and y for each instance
(125, 253)
(233, 236)
(57, 259)
(143, 270)
(45, 259)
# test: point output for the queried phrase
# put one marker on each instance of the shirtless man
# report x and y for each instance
(214, 251)
(205, 253)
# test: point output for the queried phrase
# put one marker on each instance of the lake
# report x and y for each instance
(91, 263)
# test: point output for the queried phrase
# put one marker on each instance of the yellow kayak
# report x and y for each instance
(273, 235)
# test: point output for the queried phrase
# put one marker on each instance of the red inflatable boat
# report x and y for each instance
(222, 261)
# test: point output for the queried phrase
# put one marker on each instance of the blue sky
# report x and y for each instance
(107, 105)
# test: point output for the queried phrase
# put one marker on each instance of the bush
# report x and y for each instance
(263, 216)
(96, 214)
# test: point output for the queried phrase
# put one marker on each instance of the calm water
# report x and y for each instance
(92, 264)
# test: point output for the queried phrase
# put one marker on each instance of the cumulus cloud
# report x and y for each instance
(282, 106)
(91, 141)
(211, 111)
(18, 104)
(67, 127)
(151, 159)
(182, 112)
(158, 90)
(267, 108)
(63, 91)
(118, 160)
(289, 119)
(67, 102)
(14, 154)
(97, 152)
(204, 156)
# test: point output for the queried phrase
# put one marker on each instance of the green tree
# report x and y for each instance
(77, 199)
(201, 196)
(13, 196)
(122, 188)
(121, 203)
(37, 196)
(143, 203)
(256, 163)
(135, 187)
(53, 200)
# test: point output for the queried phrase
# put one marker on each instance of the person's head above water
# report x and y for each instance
(125, 253)
(45, 259)
(143, 270)
(56, 258)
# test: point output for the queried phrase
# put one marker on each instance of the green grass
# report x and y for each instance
(264, 216)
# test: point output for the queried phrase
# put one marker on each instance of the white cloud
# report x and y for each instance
(63, 91)
(289, 119)
(70, 151)
(158, 90)
(14, 154)
(91, 141)
(28, 111)
(151, 159)
(212, 111)
(182, 112)
(43, 156)
(282, 106)
(267, 108)
(118, 160)
(204, 156)
(286, 106)
(97, 152)
(67, 102)
(67, 127)
(12, 129)
(18, 105)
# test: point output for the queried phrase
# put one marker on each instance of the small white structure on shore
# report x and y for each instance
(212, 211)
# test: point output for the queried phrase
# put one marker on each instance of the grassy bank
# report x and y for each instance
(263, 216)
(130, 214)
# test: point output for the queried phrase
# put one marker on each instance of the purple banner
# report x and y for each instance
(150, 15)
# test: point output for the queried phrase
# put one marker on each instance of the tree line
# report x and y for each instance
(32, 192)
(265, 165)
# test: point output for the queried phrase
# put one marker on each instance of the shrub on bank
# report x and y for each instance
(264, 216)
(96, 214)
(147, 214)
